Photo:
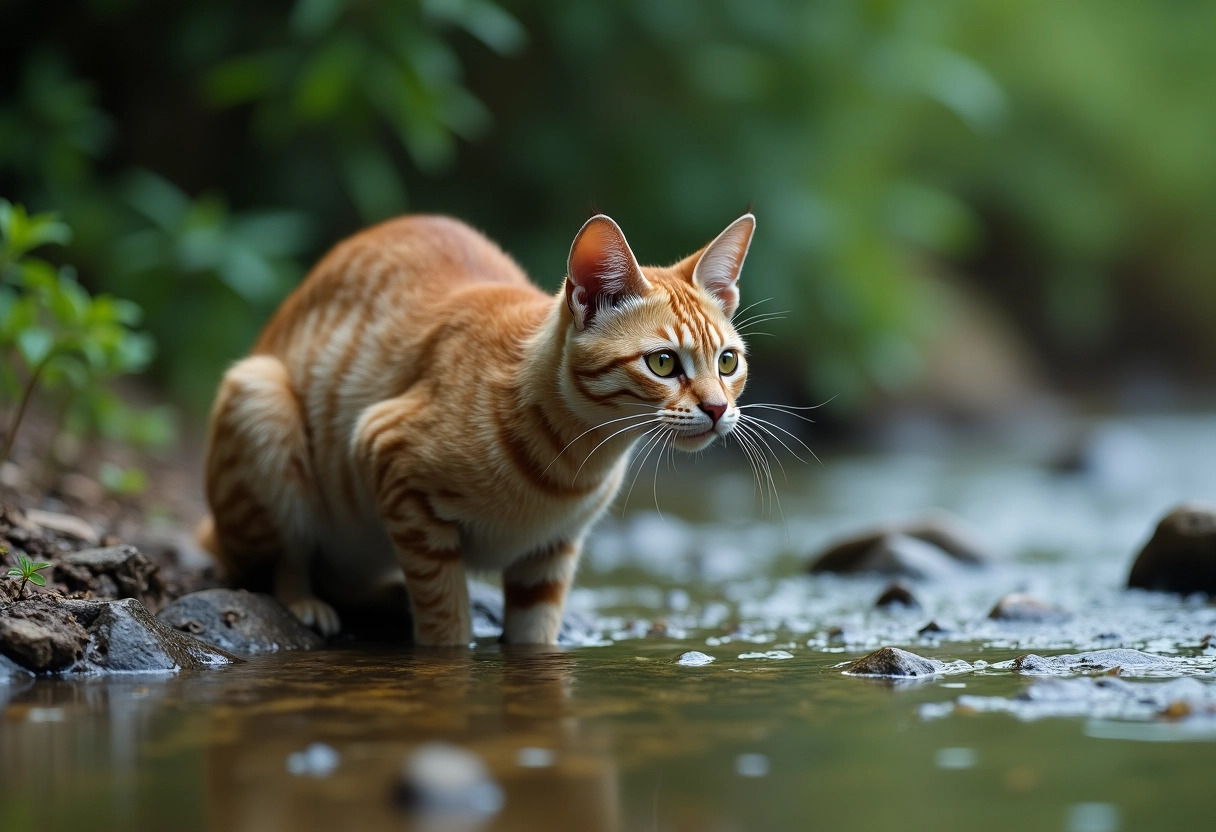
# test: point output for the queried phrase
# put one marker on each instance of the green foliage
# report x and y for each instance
(28, 571)
(57, 338)
(1056, 152)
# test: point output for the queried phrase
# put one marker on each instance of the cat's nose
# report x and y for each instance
(715, 411)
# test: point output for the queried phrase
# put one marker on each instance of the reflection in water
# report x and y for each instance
(620, 737)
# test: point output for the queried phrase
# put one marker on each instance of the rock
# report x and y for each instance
(239, 621)
(934, 545)
(1181, 555)
(10, 671)
(768, 654)
(112, 572)
(41, 636)
(893, 662)
(897, 595)
(125, 637)
(1103, 697)
(932, 630)
(1017, 606)
(1127, 662)
(438, 778)
(64, 524)
(694, 658)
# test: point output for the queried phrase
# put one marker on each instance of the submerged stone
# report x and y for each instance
(1017, 606)
(239, 621)
(931, 546)
(438, 778)
(1181, 555)
(1098, 697)
(1127, 662)
(894, 663)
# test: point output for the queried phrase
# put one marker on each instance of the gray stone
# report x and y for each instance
(1027, 609)
(894, 663)
(931, 546)
(125, 637)
(443, 779)
(897, 595)
(1128, 662)
(112, 572)
(239, 621)
(1181, 555)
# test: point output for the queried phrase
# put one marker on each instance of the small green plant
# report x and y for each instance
(28, 571)
(56, 337)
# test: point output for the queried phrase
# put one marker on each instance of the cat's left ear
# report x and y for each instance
(717, 270)
(602, 270)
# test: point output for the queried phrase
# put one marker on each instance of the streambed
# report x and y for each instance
(614, 734)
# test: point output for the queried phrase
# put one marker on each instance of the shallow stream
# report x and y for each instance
(615, 734)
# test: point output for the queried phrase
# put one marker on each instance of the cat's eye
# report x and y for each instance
(728, 362)
(662, 363)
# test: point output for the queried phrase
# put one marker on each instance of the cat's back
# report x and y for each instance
(406, 267)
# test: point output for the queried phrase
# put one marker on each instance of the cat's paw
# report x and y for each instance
(315, 613)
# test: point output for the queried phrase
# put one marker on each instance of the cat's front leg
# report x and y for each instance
(534, 594)
(427, 545)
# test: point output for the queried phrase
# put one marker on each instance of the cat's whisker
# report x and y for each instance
(641, 460)
(601, 444)
(787, 432)
(756, 488)
(778, 409)
(590, 430)
(768, 470)
(759, 316)
(667, 438)
(784, 475)
(751, 305)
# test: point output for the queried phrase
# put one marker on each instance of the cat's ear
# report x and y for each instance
(602, 270)
(717, 270)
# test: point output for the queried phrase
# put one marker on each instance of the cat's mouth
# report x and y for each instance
(690, 442)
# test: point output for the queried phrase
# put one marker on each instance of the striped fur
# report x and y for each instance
(418, 408)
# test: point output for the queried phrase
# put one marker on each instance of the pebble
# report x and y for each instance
(1181, 555)
(317, 760)
(1017, 606)
(445, 779)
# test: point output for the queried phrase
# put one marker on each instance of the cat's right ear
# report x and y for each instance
(602, 270)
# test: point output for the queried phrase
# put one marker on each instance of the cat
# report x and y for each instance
(417, 407)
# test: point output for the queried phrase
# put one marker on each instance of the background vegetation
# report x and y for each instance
(1053, 159)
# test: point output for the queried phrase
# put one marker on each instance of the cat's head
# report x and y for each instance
(653, 347)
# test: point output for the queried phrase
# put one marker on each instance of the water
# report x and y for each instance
(617, 735)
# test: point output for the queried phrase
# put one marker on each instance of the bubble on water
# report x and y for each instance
(694, 658)
(535, 757)
(751, 765)
(768, 654)
(317, 760)
(955, 758)
(1093, 817)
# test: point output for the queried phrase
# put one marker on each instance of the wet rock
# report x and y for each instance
(10, 671)
(1027, 609)
(932, 630)
(64, 525)
(112, 572)
(239, 621)
(694, 658)
(41, 636)
(931, 546)
(125, 637)
(438, 778)
(893, 662)
(1099, 697)
(1126, 662)
(1181, 555)
(897, 595)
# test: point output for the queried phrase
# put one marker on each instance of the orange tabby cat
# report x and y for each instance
(417, 407)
